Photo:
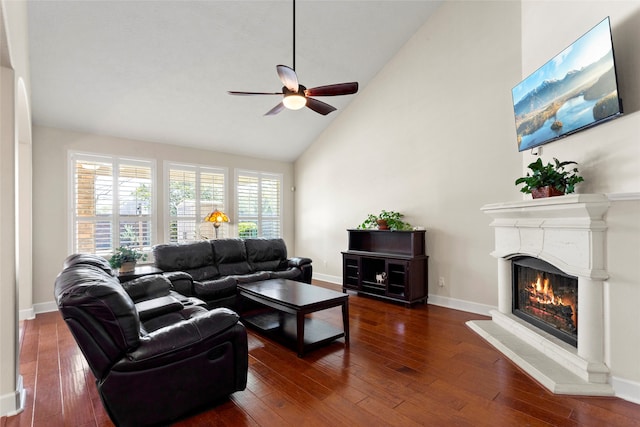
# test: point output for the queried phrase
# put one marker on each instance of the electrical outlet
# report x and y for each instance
(441, 282)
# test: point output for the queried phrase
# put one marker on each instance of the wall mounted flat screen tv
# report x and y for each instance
(575, 90)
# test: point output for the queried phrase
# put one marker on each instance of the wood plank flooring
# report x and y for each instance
(403, 367)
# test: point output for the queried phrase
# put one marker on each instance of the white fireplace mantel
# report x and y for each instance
(568, 232)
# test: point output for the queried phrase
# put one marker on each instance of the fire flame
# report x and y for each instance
(543, 294)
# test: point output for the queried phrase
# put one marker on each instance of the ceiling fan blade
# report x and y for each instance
(333, 90)
(319, 106)
(275, 110)
(231, 92)
(288, 77)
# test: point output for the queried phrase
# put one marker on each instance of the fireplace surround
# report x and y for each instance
(569, 233)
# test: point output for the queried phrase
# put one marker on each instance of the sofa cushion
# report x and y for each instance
(266, 254)
(206, 272)
(230, 257)
(185, 257)
(147, 287)
(172, 318)
(214, 289)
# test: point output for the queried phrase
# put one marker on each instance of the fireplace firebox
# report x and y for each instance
(546, 297)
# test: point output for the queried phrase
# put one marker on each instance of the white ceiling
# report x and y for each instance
(160, 70)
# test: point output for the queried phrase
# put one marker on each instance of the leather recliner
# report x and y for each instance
(179, 359)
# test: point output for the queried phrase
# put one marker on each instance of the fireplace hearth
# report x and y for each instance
(546, 297)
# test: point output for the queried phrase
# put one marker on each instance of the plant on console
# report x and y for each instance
(386, 220)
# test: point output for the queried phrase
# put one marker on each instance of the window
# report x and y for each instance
(194, 191)
(112, 203)
(259, 204)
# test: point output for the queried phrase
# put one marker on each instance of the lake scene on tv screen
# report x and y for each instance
(574, 90)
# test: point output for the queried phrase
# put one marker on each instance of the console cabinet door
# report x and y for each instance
(397, 279)
(351, 272)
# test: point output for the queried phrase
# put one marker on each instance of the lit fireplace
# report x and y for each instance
(570, 233)
(546, 297)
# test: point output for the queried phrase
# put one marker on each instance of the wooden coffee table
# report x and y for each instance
(290, 301)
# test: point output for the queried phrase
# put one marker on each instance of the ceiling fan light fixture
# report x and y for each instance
(294, 101)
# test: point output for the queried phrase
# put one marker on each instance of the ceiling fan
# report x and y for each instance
(294, 95)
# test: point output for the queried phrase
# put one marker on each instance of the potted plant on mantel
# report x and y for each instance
(549, 180)
(125, 259)
(386, 220)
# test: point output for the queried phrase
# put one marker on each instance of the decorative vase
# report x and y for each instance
(382, 224)
(548, 191)
(128, 267)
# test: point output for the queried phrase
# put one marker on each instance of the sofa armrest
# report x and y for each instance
(190, 332)
(157, 306)
(305, 266)
(147, 287)
(181, 282)
(298, 261)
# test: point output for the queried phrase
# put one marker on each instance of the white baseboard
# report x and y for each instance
(627, 390)
(456, 304)
(45, 307)
(27, 314)
(327, 278)
(462, 305)
(13, 403)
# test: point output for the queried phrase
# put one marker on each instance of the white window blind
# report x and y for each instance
(112, 203)
(194, 192)
(259, 204)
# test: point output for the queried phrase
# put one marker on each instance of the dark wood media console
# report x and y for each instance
(387, 264)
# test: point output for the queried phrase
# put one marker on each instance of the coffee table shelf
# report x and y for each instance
(281, 327)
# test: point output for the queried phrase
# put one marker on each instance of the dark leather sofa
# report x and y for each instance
(211, 269)
(156, 354)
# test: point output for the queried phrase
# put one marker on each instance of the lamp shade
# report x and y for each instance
(217, 217)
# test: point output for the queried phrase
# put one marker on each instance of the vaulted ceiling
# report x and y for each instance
(160, 70)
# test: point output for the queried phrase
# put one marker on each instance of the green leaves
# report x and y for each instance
(551, 174)
(392, 218)
(124, 254)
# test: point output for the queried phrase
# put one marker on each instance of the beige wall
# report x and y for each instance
(433, 137)
(50, 195)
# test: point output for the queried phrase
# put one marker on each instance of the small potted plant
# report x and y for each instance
(549, 180)
(386, 220)
(125, 258)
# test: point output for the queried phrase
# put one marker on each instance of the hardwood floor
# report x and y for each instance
(404, 367)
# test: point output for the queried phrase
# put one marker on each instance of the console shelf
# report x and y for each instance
(391, 265)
